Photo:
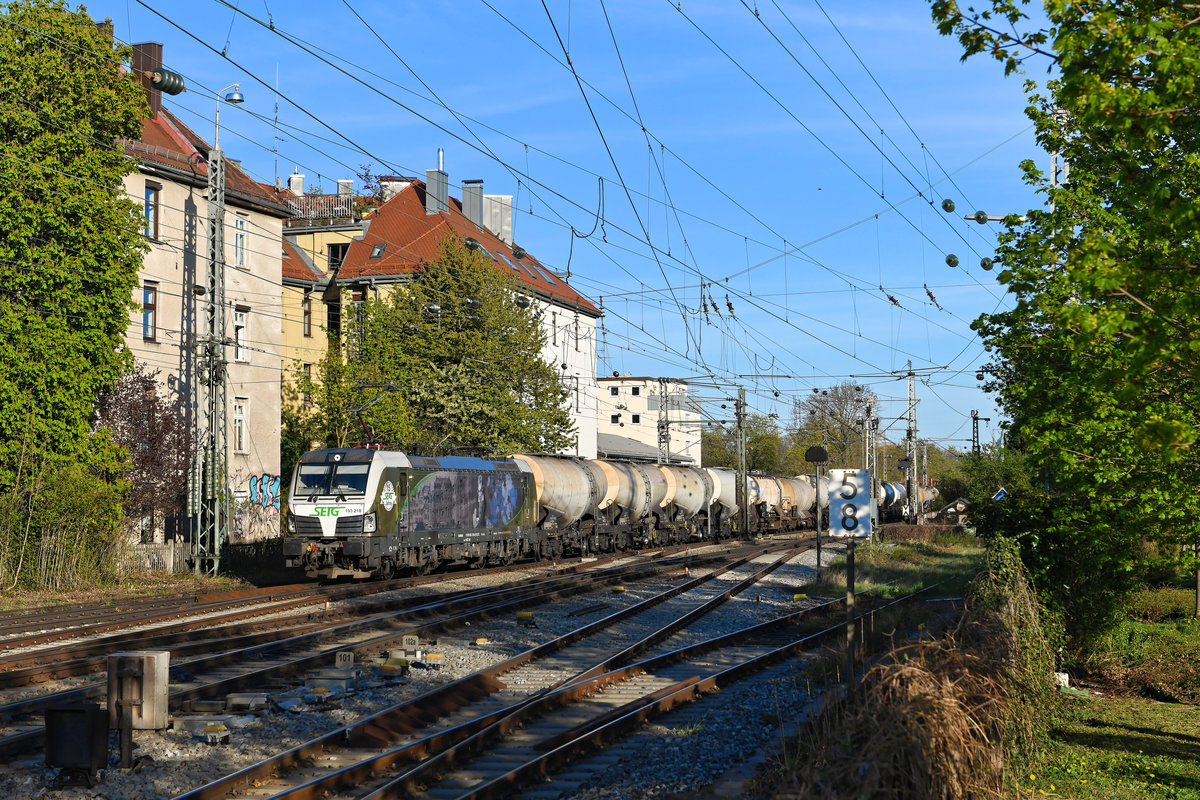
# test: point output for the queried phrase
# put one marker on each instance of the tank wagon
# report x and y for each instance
(363, 513)
(893, 498)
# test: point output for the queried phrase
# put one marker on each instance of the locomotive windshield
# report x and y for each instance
(331, 479)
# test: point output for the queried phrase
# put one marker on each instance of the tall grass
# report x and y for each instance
(938, 717)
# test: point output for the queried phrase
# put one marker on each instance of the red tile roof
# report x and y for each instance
(297, 266)
(410, 238)
(168, 142)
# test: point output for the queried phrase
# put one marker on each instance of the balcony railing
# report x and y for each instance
(317, 208)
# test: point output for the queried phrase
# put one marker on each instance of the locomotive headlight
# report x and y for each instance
(291, 523)
(369, 523)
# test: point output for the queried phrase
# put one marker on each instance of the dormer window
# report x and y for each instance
(377, 250)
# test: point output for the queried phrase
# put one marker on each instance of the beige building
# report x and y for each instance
(164, 330)
(635, 414)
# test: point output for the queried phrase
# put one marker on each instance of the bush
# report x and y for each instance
(59, 530)
(1156, 605)
(59, 523)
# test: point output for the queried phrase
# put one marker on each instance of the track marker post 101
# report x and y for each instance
(850, 518)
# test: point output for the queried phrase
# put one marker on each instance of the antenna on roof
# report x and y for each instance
(275, 141)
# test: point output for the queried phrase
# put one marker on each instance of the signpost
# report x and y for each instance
(850, 518)
(818, 456)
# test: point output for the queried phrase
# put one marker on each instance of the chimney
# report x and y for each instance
(147, 58)
(473, 202)
(498, 216)
(345, 187)
(436, 189)
(392, 185)
(296, 184)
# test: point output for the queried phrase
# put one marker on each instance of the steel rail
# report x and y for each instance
(566, 747)
(382, 728)
(485, 603)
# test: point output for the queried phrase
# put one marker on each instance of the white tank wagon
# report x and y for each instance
(691, 490)
(566, 489)
(769, 501)
(819, 488)
(806, 496)
(630, 491)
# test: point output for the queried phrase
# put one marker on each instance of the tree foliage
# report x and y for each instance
(70, 246)
(1097, 362)
(155, 434)
(834, 418)
(445, 363)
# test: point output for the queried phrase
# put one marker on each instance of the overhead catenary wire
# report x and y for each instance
(740, 322)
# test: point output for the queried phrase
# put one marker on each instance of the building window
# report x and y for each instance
(307, 383)
(336, 254)
(240, 436)
(554, 327)
(615, 419)
(150, 312)
(576, 333)
(614, 391)
(241, 224)
(241, 322)
(377, 250)
(153, 205)
(306, 307)
(636, 391)
(636, 419)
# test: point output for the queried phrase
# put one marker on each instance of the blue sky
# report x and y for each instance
(780, 164)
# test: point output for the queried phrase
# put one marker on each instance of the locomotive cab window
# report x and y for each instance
(350, 479)
(326, 479)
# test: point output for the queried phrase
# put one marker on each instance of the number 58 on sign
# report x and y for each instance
(850, 503)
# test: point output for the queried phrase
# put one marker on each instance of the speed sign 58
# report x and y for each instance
(850, 503)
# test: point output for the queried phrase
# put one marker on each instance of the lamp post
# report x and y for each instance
(210, 470)
(235, 98)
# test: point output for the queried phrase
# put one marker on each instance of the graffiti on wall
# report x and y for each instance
(264, 490)
(256, 514)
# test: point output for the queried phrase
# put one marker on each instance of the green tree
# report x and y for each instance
(448, 362)
(765, 446)
(834, 418)
(1097, 362)
(715, 450)
(71, 244)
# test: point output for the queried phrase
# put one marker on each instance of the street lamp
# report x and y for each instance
(236, 98)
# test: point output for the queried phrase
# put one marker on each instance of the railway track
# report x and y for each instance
(440, 726)
(254, 665)
(156, 625)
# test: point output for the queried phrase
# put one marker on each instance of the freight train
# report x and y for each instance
(361, 513)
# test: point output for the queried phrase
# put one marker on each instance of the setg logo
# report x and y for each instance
(325, 511)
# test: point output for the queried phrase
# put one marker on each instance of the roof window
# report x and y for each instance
(377, 250)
